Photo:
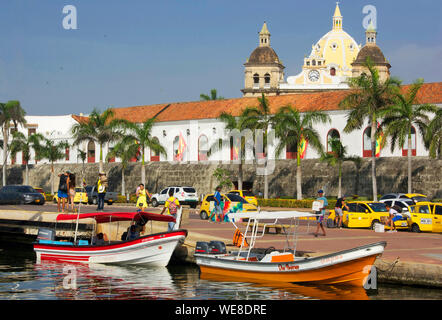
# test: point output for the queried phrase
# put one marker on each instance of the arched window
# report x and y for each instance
(313, 62)
(256, 80)
(413, 144)
(332, 134)
(154, 156)
(332, 72)
(91, 152)
(267, 80)
(203, 148)
(291, 151)
(176, 143)
(366, 152)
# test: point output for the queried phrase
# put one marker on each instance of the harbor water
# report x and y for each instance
(21, 278)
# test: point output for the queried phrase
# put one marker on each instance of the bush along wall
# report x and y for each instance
(292, 203)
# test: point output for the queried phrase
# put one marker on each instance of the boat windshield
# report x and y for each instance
(378, 207)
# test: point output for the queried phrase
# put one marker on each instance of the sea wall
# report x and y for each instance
(356, 177)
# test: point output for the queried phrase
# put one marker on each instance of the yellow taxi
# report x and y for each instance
(365, 214)
(425, 216)
(232, 203)
(248, 195)
(40, 190)
(416, 197)
(80, 196)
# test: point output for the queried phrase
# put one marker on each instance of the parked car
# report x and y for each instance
(416, 197)
(425, 216)
(38, 189)
(80, 195)
(404, 204)
(92, 195)
(365, 214)
(185, 195)
(246, 194)
(233, 201)
(21, 195)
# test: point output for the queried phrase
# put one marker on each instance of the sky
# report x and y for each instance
(142, 52)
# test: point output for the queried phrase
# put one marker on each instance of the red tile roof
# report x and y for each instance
(324, 101)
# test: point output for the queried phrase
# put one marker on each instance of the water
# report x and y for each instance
(21, 278)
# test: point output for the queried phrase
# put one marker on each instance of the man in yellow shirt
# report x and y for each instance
(172, 205)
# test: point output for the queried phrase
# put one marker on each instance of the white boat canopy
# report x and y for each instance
(261, 215)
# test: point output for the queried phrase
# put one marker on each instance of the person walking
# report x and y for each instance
(62, 191)
(172, 205)
(339, 206)
(218, 210)
(320, 218)
(101, 189)
(142, 197)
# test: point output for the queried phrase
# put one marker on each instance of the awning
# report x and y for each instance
(101, 217)
(261, 215)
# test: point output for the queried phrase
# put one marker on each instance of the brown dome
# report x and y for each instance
(375, 54)
(263, 55)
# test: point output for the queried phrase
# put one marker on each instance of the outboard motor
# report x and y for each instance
(46, 234)
(217, 247)
(202, 247)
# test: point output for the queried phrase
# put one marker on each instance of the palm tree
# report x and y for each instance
(213, 96)
(125, 150)
(433, 135)
(53, 152)
(25, 144)
(292, 128)
(9, 112)
(141, 136)
(82, 155)
(402, 116)
(100, 128)
(337, 156)
(370, 97)
(260, 118)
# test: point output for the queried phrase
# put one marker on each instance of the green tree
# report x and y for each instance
(25, 144)
(141, 136)
(213, 96)
(10, 112)
(366, 102)
(125, 150)
(100, 128)
(401, 117)
(292, 128)
(53, 152)
(433, 135)
(82, 155)
(223, 177)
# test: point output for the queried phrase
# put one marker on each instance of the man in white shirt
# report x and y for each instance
(393, 216)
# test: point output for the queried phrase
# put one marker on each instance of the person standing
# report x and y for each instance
(62, 191)
(172, 205)
(339, 206)
(101, 189)
(320, 218)
(71, 189)
(142, 197)
(218, 210)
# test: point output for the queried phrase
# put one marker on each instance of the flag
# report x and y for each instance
(303, 147)
(379, 144)
(181, 148)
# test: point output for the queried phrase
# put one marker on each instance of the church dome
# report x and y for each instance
(263, 55)
(375, 54)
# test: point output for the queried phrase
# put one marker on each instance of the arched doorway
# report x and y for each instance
(203, 148)
(155, 156)
(413, 144)
(332, 134)
(91, 152)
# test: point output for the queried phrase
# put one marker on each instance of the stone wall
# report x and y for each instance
(356, 179)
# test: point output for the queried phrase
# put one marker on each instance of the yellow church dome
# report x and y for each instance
(337, 48)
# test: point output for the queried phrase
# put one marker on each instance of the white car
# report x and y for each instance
(185, 195)
(404, 204)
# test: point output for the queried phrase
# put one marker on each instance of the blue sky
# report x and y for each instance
(140, 52)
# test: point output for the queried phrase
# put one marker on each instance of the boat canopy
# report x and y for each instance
(101, 217)
(261, 215)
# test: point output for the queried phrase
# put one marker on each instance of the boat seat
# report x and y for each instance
(63, 243)
(277, 256)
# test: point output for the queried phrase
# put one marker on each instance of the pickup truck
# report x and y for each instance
(92, 196)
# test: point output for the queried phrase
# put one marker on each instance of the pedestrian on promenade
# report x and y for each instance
(393, 215)
(218, 210)
(339, 206)
(62, 191)
(172, 205)
(71, 188)
(142, 197)
(320, 218)
(101, 189)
